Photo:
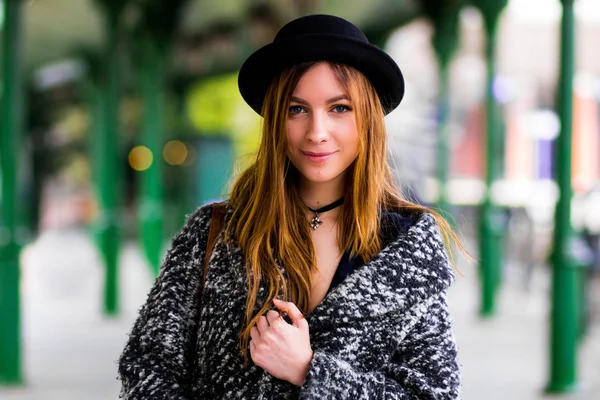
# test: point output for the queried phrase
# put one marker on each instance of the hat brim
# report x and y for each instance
(261, 67)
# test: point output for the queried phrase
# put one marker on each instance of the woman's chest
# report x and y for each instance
(360, 339)
(327, 259)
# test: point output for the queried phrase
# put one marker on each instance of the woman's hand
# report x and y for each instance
(281, 349)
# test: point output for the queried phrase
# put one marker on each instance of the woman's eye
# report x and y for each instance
(340, 108)
(295, 109)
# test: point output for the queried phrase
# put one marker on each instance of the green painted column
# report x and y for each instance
(443, 150)
(153, 37)
(491, 220)
(564, 311)
(111, 157)
(11, 123)
(151, 212)
(444, 17)
(93, 89)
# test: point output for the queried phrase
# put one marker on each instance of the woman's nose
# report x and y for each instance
(317, 129)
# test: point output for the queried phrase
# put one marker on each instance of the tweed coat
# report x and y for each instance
(383, 333)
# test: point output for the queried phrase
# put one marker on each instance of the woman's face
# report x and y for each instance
(322, 138)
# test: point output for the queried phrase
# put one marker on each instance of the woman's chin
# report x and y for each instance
(320, 178)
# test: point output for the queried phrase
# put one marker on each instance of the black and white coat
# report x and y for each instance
(383, 333)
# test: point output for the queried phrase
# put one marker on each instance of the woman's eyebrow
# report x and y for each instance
(298, 100)
(338, 98)
(329, 101)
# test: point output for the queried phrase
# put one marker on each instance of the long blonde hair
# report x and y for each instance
(269, 220)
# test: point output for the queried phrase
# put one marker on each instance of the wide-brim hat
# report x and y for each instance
(320, 38)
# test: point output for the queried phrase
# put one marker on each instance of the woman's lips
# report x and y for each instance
(317, 157)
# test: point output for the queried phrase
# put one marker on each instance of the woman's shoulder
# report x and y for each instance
(199, 220)
(418, 235)
(397, 222)
(419, 224)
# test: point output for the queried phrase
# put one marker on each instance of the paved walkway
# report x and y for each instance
(70, 348)
(506, 357)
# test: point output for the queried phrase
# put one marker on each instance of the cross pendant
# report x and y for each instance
(315, 222)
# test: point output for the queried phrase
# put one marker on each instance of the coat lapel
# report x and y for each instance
(407, 270)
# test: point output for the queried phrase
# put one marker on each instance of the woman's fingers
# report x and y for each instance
(254, 333)
(253, 351)
(262, 324)
(290, 308)
(265, 322)
(272, 317)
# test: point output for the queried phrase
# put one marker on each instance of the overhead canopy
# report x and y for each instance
(54, 29)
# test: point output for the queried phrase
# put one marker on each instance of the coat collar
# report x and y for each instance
(409, 269)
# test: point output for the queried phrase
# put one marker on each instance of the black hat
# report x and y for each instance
(320, 38)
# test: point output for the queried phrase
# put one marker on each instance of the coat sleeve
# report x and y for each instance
(155, 363)
(424, 366)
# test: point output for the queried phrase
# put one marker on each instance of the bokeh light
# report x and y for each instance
(175, 152)
(140, 158)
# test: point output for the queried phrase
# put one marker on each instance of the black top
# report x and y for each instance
(392, 225)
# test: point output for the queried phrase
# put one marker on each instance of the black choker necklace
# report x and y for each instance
(315, 222)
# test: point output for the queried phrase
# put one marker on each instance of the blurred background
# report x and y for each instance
(120, 117)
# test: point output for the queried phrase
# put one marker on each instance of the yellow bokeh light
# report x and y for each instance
(175, 152)
(140, 158)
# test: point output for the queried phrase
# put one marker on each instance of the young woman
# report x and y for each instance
(324, 283)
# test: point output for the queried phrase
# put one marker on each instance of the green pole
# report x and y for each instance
(157, 25)
(443, 150)
(563, 319)
(92, 87)
(491, 219)
(10, 247)
(109, 175)
(151, 211)
(444, 18)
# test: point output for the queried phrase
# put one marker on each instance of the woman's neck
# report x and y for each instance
(317, 195)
